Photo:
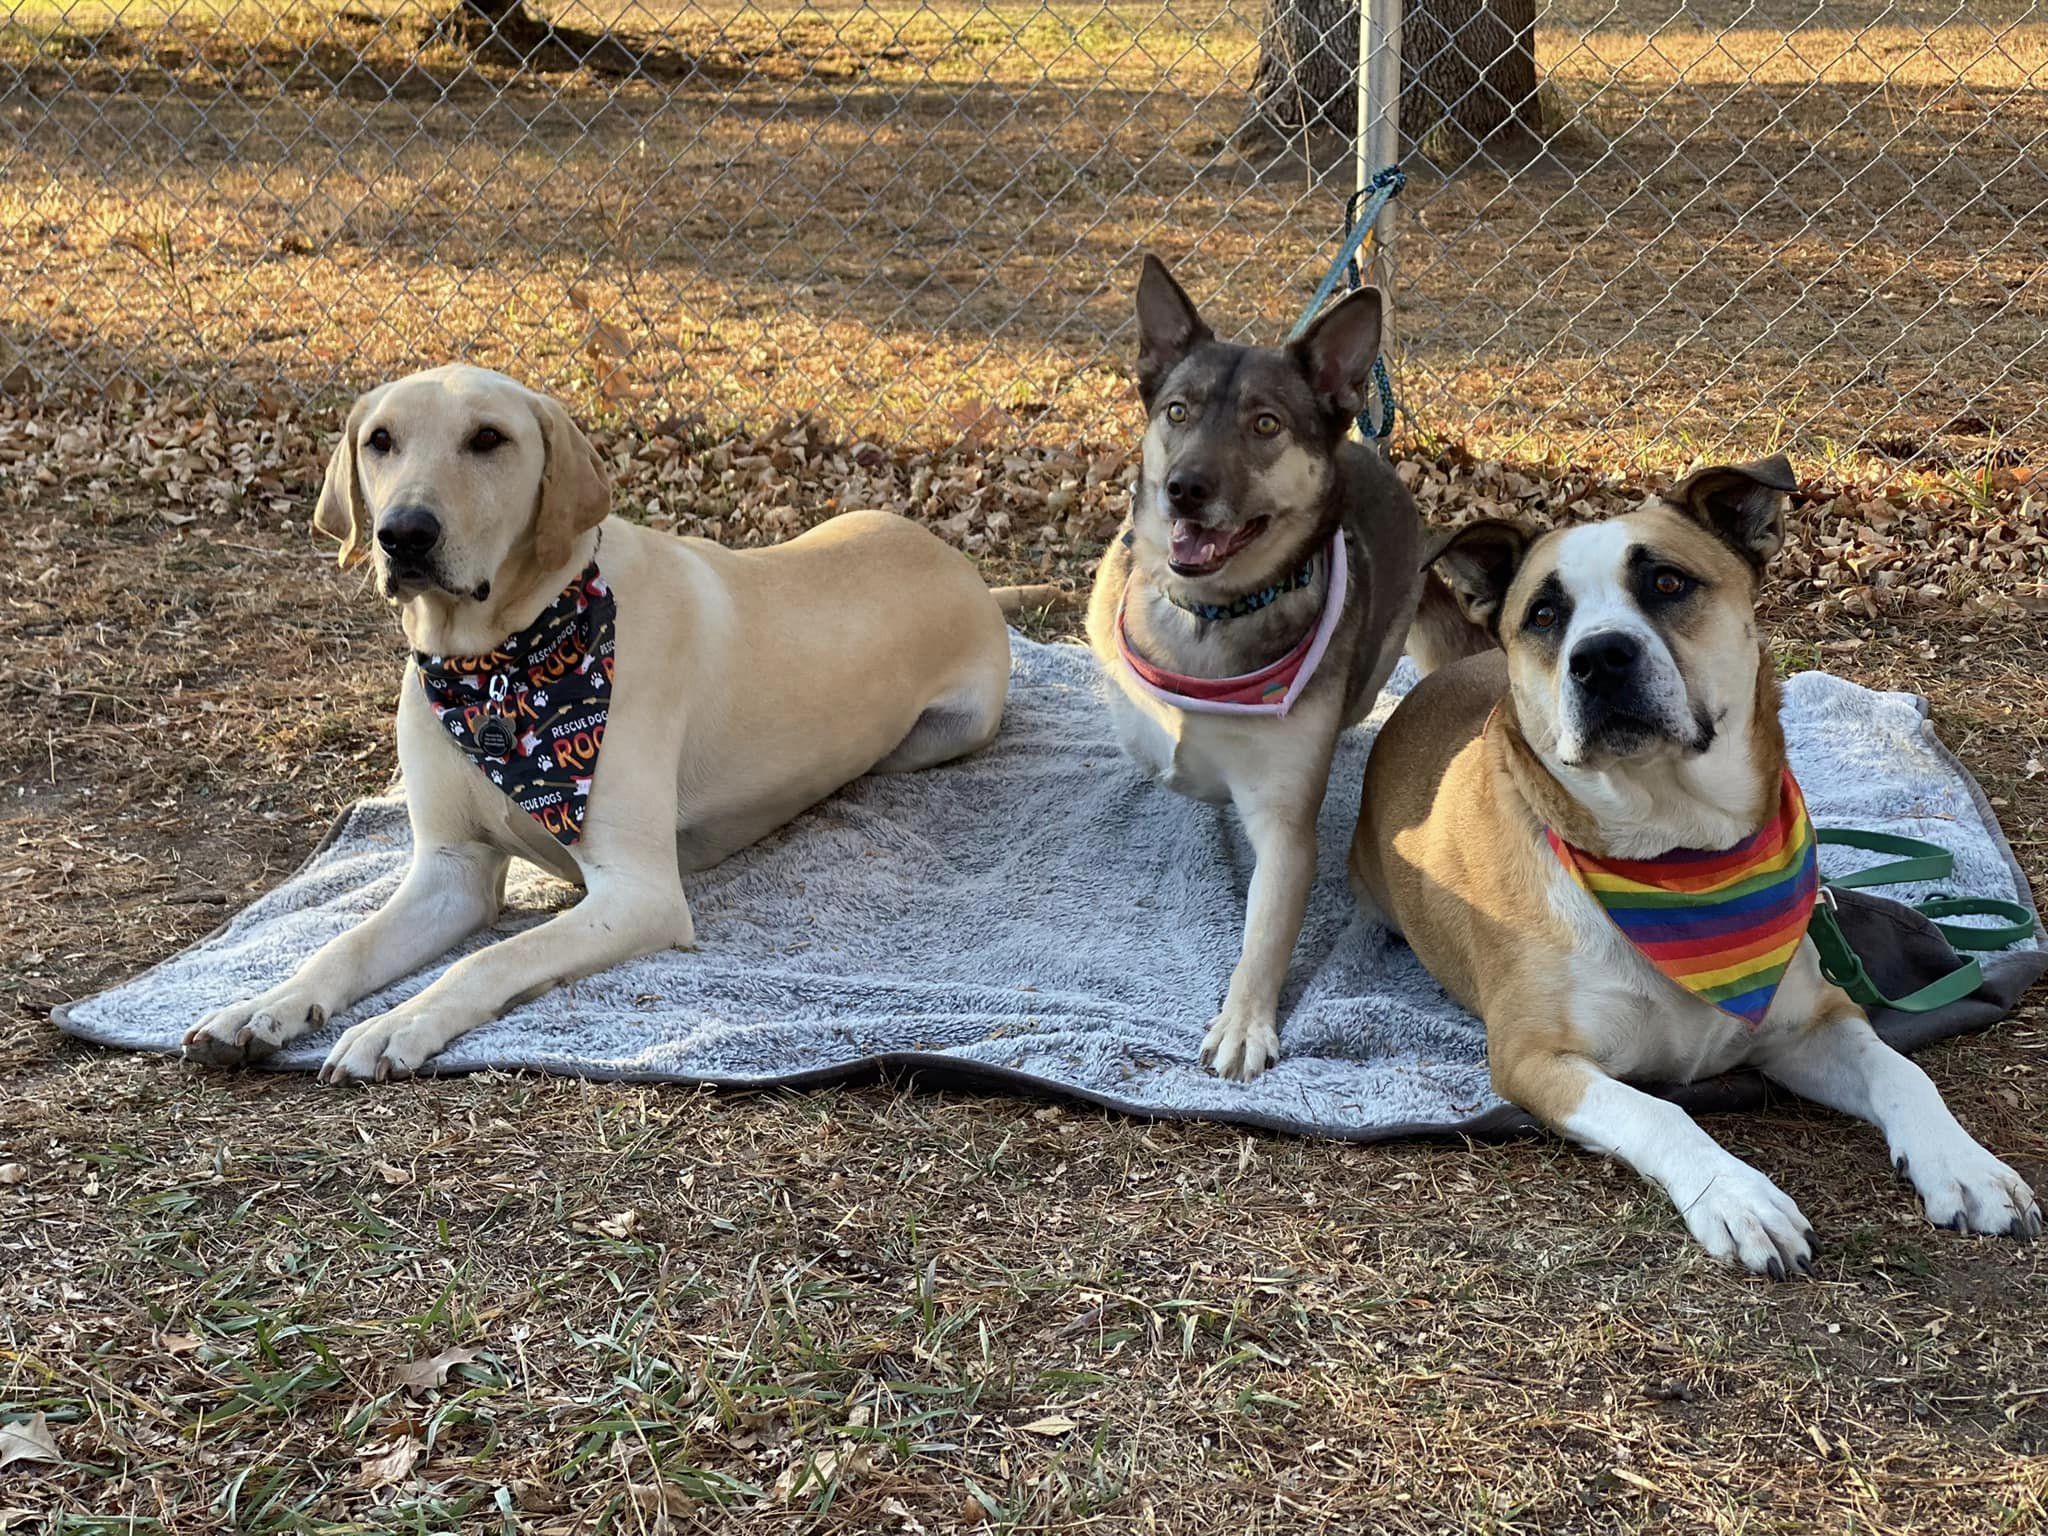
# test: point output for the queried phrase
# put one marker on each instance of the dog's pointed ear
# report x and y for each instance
(1168, 326)
(575, 494)
(1743, 505)
(1338, 351)
(1478, 563)
(341, 513)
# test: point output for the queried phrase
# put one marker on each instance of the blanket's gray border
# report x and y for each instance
(2006, 975)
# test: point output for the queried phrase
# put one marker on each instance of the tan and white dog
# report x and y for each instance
(746, 686)
(1621, 698)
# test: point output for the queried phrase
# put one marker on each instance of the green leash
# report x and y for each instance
(1917, 863)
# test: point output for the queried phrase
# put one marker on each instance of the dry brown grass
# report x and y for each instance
(884, 1307)
(899, 217)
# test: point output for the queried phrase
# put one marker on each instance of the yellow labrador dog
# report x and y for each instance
(579, 687)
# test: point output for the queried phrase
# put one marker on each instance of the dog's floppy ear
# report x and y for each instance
(340, 513)
(1168, 326)
(1743, 505)
(1478, 563)
(575, 495)
(1337, 352)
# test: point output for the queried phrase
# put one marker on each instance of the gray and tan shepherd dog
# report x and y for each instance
(1254, 602)
(1615, 729)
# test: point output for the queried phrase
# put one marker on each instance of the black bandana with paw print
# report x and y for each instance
(531, 713)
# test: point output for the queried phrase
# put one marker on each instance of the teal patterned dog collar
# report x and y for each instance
(1303, 575)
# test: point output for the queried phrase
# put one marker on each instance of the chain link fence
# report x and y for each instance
(1633, 231)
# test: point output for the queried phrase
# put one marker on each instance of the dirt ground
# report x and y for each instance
(518, 1304)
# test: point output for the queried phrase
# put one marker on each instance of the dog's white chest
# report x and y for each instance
(1199, 756)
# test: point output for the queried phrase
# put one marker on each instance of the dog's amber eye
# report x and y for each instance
(1543, 616)
(1176, 412)
(1669, 583)
(1266, 424)
(486, 439)
(380, 440)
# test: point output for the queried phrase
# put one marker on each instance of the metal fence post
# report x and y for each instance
(1379, 143)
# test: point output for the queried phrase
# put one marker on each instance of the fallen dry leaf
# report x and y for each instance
(977, 422)
(28, 1440)
(1051, 1424)
(535, 1498)
(660, 1499)
(842, 1464)
(385, 1464)
(757, 1429)
(425, 1375)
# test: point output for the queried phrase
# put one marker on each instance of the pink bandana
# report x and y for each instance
(1272, 689)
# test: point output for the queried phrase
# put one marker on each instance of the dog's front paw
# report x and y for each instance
(1966, 1189)
(1241, 1043)
(1741, 1217)
(392, 1045)
(249, 1031)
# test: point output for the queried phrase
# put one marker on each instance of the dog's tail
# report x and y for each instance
(1441, 633)
(1033, 599)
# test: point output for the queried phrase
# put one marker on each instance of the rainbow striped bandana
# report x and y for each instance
(1723, 925)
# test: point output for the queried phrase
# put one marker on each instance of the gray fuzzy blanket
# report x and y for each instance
(1040, 917)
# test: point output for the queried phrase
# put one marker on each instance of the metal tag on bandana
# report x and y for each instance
(531, 713)
(495, 737)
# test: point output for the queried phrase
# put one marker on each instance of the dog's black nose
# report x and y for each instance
(1604, 662)
(409, 533)
(1187, 489)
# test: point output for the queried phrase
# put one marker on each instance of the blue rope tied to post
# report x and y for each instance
(1358, 226)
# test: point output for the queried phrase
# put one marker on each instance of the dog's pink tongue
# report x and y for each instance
(1194, 545)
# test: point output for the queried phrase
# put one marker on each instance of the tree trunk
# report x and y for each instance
(507, 33)
(476, 22)
(1468, 64)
